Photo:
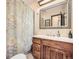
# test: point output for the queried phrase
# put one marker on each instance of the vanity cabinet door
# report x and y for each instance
(57, 54)
(46, 52)
(54, 53)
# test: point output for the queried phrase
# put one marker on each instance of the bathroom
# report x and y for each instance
(37, 25)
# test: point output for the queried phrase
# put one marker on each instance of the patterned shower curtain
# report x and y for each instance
(19, 27)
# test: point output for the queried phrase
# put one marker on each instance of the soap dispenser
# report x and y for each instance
(70, 34)
(58, 34)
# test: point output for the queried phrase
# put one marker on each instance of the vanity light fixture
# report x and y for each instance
(43, 2)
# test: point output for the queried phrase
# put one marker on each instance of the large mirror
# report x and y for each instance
(57, 16)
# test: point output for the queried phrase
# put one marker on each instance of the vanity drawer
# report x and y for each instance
(38, 41)
(36, 54)
(36, 47)
(59, 45)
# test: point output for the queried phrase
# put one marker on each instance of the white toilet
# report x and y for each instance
(19, 56)
(23, 56)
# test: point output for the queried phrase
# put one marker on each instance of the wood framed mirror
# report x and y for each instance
(57, 16)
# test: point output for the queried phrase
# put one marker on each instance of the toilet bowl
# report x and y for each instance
(19, 56)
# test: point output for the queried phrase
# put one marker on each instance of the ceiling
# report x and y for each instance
(31, 1)
(34, 3)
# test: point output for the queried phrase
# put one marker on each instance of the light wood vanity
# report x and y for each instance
(51, 49)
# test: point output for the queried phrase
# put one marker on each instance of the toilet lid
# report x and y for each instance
(19, 56)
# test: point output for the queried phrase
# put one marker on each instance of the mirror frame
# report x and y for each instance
(69, 3)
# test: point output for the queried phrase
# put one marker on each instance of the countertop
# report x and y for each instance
(63, 39)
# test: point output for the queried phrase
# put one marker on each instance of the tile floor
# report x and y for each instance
(30, 56)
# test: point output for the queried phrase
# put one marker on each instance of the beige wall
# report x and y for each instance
(63, 32)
